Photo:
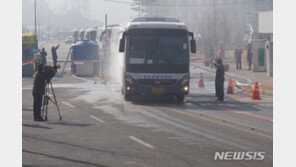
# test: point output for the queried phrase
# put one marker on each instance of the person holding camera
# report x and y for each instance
(41, 77)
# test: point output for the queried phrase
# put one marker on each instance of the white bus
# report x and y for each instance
(156, 58)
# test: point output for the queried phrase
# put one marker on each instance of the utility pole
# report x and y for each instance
(214, 2)
(35, 22)
(36, 46)
(139, 13)
(107, 33)
(224, 28)
(48, 25)
(106, 21)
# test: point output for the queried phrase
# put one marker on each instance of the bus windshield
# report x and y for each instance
(157, 46)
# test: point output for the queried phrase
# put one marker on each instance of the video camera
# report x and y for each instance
(50, 69)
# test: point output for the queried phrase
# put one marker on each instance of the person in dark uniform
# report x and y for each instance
(43, 55)
(219, 80)
(249, 56)
(238, 57)
(54, 54)
(41, 77)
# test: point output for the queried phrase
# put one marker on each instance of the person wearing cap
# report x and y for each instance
(219, 80)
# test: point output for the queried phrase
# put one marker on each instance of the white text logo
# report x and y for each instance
(229, 155)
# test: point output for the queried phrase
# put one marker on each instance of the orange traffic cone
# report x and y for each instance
(256, 93)
(201, 82)
(230, 89)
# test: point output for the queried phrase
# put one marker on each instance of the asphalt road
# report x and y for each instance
(99, 128)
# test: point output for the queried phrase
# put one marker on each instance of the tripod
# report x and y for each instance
(45, 100)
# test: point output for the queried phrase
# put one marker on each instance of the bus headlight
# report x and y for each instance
(186, 88)
(185, 79)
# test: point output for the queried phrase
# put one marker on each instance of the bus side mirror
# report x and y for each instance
(122, 45)
(193, 46)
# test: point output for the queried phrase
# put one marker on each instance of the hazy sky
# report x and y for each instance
(117, 12)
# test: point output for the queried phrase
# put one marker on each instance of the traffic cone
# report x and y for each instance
(201, 82)
(256, 93)
(230, 89)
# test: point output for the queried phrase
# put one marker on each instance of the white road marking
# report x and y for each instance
(141, 142)
(98, 119)
(68, 104)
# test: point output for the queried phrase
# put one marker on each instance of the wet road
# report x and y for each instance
(99, 128)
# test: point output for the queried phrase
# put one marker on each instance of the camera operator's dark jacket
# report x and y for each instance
(220, 72)
(41, 77)
(219, 80)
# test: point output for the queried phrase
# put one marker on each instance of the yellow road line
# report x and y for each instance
(192, 99)
(251, 100)
(229, 120)
(234, 99)
(212, 99)
(220, 123)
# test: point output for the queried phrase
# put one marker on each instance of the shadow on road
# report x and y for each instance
(68, 123)
(36, 126)
(153, 100)
(64, 158)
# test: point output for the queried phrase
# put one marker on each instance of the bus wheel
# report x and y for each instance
(127, 97)
(180, 98)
